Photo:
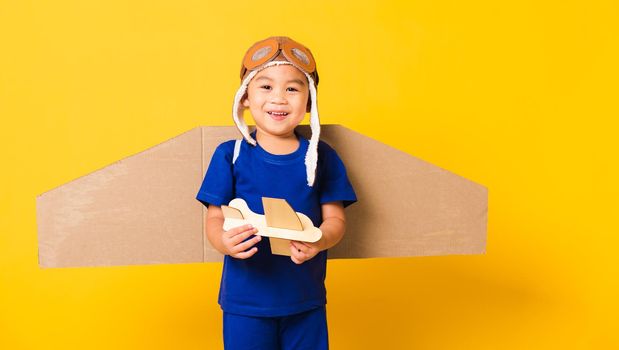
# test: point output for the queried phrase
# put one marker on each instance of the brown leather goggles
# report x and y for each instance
(277, 46)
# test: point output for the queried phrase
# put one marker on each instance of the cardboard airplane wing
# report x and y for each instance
(142, 209)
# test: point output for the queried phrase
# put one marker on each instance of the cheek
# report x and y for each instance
(256, 101)
(303, 100)
(298, 118)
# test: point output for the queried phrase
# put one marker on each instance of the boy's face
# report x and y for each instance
(281, 88)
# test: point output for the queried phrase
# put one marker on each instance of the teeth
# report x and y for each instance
(278, 113)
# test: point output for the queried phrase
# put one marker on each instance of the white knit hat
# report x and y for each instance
(262, 55)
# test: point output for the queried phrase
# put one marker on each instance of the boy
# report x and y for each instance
(273, 301)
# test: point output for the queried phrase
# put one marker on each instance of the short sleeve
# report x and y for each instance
(218, 184)
(335, 185)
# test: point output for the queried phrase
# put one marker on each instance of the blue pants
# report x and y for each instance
(306, 330)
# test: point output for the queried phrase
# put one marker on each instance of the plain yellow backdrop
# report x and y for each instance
(520, 96)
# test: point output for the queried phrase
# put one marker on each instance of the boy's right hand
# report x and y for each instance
(234, 242)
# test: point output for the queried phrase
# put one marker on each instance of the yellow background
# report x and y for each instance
(519, 96)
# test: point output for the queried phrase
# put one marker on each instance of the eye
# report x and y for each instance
(292, 89)
(266, 87)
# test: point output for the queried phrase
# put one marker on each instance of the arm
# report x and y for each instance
(229, 242)
(333, 228)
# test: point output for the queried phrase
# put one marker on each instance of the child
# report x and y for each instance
(274, 301)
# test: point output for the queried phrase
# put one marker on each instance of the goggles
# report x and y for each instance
(267, 50)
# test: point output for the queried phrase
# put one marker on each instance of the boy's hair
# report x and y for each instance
(272, 51)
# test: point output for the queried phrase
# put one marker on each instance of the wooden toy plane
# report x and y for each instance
(280, 223)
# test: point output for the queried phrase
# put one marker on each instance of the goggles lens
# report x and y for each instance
(261, 53)
(301, 56)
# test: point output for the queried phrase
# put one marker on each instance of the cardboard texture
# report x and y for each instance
(278, 213)
(142, 209)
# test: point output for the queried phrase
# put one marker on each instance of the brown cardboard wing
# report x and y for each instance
(142, 209)
(406, 206)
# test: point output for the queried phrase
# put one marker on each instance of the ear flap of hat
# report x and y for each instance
(238, 108)
(311, 158)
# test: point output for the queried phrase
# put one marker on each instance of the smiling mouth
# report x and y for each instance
(278, 115)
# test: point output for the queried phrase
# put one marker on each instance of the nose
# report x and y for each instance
(278, 97)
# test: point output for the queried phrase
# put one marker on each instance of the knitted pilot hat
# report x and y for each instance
(273, 51)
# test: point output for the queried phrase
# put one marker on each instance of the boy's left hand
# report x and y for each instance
(332, 228)
(303, 251)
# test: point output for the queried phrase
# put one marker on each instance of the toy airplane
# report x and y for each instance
(280, 223)
(142, 209)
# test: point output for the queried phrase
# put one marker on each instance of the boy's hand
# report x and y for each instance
(333, 227)
(234, 242)
(303, 251)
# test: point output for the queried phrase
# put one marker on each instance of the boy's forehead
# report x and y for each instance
(286, 72)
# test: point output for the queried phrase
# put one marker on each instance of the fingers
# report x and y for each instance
(245, 255)
(299, 252)
(240, 237)
(301, 247)
(236, 244)
(238, 230)
(241, 247)
(296, 261)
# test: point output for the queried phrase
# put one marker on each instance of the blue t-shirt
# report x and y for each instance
(267, 284)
